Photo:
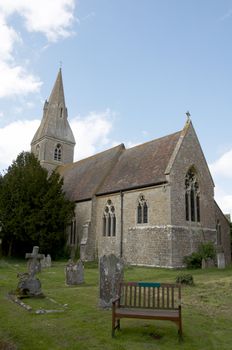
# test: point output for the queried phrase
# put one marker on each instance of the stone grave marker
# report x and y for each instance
(74, 273)
(28, 284)
(111, 274)
(221, 260)
(46, 261)
(34, 265)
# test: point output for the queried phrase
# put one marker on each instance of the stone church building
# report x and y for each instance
(151, 204)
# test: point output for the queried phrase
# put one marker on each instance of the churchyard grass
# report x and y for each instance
(81, 325)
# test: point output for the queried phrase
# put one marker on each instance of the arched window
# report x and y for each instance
(58, 152)
(192, 197)
(142, 210)
(109, 220)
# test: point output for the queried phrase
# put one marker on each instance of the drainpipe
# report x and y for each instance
(121, 238)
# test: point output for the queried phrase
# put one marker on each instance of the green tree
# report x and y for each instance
(33, 208)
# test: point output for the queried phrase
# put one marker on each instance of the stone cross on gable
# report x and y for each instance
(34, 258)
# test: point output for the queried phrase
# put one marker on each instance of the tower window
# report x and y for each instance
(192, 197)
(58, 153)
(142, 211)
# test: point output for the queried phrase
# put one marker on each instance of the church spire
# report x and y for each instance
(57, 95)
(54, 142)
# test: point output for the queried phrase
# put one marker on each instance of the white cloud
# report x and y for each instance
(15, 138)
(223, 166)
(221, 171)
(92, 134)
(53, 19)
(16, 80)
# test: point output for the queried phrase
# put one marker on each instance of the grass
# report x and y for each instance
(81, 325)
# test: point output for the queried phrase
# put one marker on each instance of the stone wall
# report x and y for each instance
(83, 212)
(225, 234)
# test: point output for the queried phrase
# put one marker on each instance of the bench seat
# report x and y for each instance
(152, 300)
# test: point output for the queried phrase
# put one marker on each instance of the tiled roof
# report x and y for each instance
(83, 178)
(119, 169)
(142, 165)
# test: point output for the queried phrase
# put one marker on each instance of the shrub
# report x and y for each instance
(185, 279)
(193, 261)
(207, 250)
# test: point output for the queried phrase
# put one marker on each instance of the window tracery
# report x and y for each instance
(109, 220)
(192, 197)
(142, 210)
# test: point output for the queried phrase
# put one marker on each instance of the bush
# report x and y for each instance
(185, 279)
(207, 250)
(193, 261)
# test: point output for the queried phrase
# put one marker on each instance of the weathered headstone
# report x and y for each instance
(111, 274)
(46, 261)
(221, 260)
(74, 273)
(28, 284)
(34, 258)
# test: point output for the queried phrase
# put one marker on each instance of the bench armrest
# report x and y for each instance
(116, 300)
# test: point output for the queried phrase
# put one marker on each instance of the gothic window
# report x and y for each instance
(58, 152)
(219, 233)
(109, 220)
(142, 210)
(61, 112)
(192, 197)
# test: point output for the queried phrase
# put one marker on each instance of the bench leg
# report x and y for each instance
(180, 331)
(113, 325)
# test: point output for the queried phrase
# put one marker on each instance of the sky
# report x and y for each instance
(131, 70)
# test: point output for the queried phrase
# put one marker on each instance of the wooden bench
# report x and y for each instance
(155, 301)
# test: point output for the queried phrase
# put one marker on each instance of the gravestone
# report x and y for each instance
(221, 260)
(46, 261)
(34, 265)
(29, 285)
(111, 274)
(74, 273)
(207, 263)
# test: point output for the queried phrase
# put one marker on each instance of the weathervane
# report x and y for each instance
(60, 64)
(188, 115)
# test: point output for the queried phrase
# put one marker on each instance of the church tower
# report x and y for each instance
(54, 142)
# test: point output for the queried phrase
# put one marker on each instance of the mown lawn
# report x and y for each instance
(207, 313)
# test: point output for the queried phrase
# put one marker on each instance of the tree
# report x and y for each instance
(33, 208)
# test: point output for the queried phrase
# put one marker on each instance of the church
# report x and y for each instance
(151, 204)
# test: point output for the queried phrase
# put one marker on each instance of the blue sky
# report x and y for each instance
(131, 69)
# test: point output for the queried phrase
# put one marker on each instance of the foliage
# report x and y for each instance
(185, 278)
(205, 251)
(33, 208)
(192, 261)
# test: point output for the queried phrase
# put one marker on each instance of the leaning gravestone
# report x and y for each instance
(74, 273)
(29, 285)
(111, 274)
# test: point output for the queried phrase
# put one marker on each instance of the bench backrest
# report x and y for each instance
(150, 295)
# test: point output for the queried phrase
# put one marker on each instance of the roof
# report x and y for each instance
(83, 178)
(142, 165)
(119, 169)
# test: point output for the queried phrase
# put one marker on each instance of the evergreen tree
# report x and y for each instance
(33, 208)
